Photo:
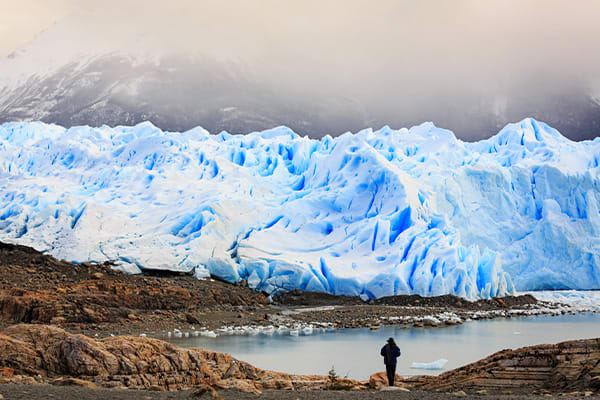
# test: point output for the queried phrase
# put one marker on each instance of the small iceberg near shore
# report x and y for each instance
(439, 364)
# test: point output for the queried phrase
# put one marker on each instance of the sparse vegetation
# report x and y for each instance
(332, 376)
(335, 382)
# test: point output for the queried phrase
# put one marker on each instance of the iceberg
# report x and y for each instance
(438, 364)
(370, 214)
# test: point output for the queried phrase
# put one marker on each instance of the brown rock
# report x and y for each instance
(135, 362)
(566, 366)
(192, 319)
(73, 382)
(97, 275)
(238, 384)
(500, 302)
(57, 320)
(379, 379)
(17, 292)
(430, 322)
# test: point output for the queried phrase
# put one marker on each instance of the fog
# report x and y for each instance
(402, 61)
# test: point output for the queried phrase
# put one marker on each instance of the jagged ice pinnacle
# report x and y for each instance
(370, 214)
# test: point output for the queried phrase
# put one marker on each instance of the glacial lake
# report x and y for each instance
(355, 352)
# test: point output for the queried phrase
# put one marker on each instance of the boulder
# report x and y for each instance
(379, 379)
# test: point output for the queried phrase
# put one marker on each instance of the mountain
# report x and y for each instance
(178, 92)
(370, 214)
(174, 92)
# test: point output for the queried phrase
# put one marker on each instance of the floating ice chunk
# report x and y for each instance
(439, 364)
(431, 320)
(269, 330)
(282, 329)
(308, 330)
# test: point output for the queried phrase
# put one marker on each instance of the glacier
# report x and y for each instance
(370, 214)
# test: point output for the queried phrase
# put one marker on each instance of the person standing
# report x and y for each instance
(390, 353)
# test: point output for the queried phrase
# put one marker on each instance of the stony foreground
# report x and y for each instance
(42, 353)
(47, 354)
(45, 392)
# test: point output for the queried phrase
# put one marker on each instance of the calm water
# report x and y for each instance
(355, 352)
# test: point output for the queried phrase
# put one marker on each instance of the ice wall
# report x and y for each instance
(368, 214)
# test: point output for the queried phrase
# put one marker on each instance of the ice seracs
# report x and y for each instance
(370, 214)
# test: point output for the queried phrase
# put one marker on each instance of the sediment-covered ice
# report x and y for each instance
(368, 214)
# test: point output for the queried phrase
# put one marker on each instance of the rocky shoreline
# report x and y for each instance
(98, 301)
(43, 354)
(63, 324)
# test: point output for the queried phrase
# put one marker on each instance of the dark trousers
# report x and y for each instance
(390, 369)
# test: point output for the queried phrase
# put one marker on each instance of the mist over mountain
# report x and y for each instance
(177, 93)
(317, 68)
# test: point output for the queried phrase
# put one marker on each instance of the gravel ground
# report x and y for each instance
(33, 392)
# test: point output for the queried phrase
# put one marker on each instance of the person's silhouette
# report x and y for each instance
(390, 353)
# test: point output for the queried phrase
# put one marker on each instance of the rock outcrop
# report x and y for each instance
(379, 380)
(562, 367)
(36, 288)
(134, 362)
(49, 354)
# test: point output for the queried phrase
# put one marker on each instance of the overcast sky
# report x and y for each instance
(492, 37)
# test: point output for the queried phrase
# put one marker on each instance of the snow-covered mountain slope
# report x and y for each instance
(370, 214)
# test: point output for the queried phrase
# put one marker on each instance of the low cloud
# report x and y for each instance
(396, 58)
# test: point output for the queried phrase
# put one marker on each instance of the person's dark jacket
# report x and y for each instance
(390, 353)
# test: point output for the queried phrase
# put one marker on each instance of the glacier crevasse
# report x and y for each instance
(370, 214)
